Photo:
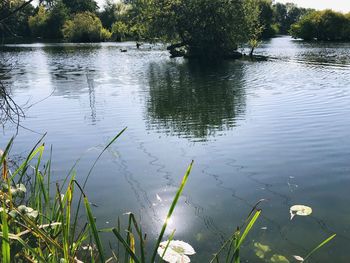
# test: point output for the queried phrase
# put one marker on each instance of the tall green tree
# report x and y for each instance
(77, 6)
(207, 28)
(324, 25)
(15, 25)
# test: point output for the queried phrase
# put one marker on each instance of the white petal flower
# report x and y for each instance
(299, 258)
(176, 252)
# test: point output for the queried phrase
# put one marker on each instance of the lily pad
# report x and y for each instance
(261, 250)
(300, 210)
(279, 259)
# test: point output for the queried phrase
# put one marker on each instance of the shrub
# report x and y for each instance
(105, 34)
(119, 30)
(84, 27)
(324, 25)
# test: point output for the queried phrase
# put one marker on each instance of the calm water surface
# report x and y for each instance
(277, 130)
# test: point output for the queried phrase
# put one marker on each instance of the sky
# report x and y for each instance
(338, 5)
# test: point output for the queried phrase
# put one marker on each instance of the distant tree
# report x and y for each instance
(208, 28)
(324, 25)
(38, 22)
(58, 14)
(287, 14)
(77, 6)
(119, 30)
(84, 27)
(113, 12)
(266, 18)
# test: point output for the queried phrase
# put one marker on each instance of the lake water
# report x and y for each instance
(277, 129)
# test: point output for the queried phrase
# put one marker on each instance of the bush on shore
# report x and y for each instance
(324, 25)
(85, 27)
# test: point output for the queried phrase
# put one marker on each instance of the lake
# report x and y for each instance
(277, 130)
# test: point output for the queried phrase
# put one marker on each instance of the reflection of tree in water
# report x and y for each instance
(195, 100)
(71, 72)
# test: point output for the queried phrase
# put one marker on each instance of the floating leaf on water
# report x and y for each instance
(279, 259)
(176, 252)
(261, 250)
(199, 236)
(300, 210)
(299, 258)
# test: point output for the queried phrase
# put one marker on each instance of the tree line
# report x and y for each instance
(198, 27)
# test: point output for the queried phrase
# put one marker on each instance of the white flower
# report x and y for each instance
(176, 252)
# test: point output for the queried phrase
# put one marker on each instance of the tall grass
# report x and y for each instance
(39, 224)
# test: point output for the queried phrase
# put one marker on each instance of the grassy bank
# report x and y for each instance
(44, 221)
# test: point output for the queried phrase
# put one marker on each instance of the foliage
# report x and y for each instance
(113, 12)
(188, 22)
(119, 30)
(324, 25)
(37, 23)
(84, 27)
(48, 23)
(105, 34)
(78, 6)
(287, 14)
(59, 13)
(15, 25)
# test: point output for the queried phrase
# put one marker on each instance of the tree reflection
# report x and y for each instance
(195, 100)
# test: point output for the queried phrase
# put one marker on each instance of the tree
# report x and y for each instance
(119, 30)
(324, 25)
(77, 6)
(13, 18)
(207, 28)
(58, 15)
(287, 14)
(113, 12)
(266, 18)
(84, 27)
(37, 23)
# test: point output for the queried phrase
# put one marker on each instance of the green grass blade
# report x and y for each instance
(7, 149)
(319, 246)
(125, 244)
(168, 243)
(75, 222)
(248, 228)
(5, 246)
(94, 229)
(101, 153)
(241, 239)
(171, 210)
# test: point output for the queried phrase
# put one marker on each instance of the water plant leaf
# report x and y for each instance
(5, 246)
(319, 246)
(300, 210)
(279, 259)
(261, 250)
